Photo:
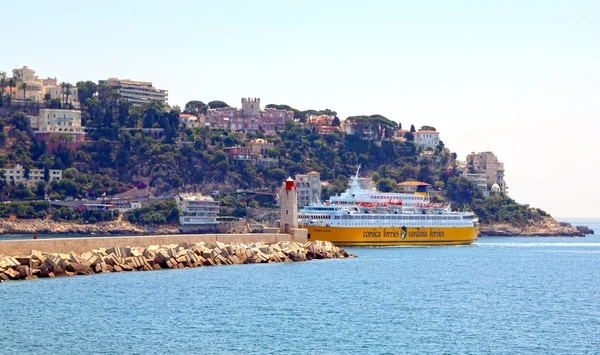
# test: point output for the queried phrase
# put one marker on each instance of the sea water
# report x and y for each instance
(500, 295)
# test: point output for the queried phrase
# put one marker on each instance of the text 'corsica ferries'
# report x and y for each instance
(362, 217)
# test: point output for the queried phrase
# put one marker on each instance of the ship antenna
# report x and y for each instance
(357, 170)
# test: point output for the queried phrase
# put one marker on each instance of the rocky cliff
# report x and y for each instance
(548, 227)
(39, 226)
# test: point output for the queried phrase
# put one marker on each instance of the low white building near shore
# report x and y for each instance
(17, 174)
(197, 210)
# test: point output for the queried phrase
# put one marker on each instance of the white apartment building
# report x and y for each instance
(308, 187)
(487, 163)
(425, 139)
(58, 121)
(197, 210)
(137, 92)
(16, 175)
(51, 119)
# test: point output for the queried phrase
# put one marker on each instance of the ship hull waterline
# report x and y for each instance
(393, 236)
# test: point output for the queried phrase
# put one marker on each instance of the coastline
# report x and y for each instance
(548, 227)
(40, 226)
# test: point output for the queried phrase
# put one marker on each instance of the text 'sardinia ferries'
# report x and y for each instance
(361, 217)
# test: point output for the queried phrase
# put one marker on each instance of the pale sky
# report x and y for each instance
(519, 78)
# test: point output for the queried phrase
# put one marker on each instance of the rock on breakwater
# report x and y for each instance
(156, 257)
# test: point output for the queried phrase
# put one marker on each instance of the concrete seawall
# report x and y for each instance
(80, 245)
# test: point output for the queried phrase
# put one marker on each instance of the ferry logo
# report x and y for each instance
(403, 235)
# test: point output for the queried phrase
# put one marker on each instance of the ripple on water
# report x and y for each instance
(500, 296)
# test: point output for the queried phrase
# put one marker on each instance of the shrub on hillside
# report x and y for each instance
(159, 213)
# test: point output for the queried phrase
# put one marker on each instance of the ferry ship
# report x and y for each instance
(363, 217)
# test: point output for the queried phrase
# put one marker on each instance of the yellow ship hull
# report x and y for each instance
(391, 236)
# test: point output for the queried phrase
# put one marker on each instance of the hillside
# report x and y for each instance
(122, 152)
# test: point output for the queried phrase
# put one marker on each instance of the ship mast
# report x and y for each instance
(354, 182)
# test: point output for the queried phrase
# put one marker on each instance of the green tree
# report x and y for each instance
(425, 174)
(387, 185)
(86, 90)
(152, 113)
(462, 191)
(277, 174)
(375, 126)
(63, 87)
(159, 213)
(40, 190)
(217, 104)
(20, 121)
(222, 166)
(11, 84)
(273, 152)
(3, 82)
(336, 121)
(54, 103)
(67, 92)
(2, 183)
(219, 156)
(23, 192)
(23, 87)
(195, 107)
(412, 128)
(70, 173)
(65, 187)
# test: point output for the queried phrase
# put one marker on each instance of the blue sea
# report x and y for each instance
(500, 296)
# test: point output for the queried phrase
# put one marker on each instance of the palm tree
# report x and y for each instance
(11, 84)
(3, 81)
(63, 85)
(23, 86)
(68, 86)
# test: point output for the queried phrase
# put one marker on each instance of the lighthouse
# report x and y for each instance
(289, 206)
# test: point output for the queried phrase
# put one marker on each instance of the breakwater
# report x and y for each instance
(155, 257)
